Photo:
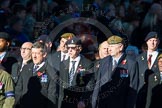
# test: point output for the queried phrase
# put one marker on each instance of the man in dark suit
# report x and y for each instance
(74, 76)
(102, 53)
(36, 87)
(116, 85)
(24, 60)
(154, 94)
(61, 54)
(148, 59)
(6, 58)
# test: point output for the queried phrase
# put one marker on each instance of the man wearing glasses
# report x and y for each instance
(24, 60)
(36, 87)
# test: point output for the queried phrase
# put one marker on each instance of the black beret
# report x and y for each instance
(74, 40)
(5, 36)
(44, 38)
(151, 35)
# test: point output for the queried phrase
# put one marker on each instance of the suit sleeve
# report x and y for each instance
(132, 94)
(18, 90)
(52, 95)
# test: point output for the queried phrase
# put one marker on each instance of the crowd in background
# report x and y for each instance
(36, 58)
(133, 19)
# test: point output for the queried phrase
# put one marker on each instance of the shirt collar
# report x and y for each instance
(117, 59)
(2, 55)
(76, 59)
(40, 65)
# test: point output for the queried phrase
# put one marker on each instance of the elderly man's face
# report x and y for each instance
(73, 51)
(103, 50)
(26, 50)
(115, 50)
(38, 55)
(160, 64)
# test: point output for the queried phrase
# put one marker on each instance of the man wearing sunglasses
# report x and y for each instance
(72, 74)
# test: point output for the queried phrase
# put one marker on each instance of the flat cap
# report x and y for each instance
(160, 56)
(5, 36)
(151, 35)
(67, 35)
(74, 41)
(115, 39)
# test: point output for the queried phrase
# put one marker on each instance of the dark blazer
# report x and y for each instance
(143, 66)
(54, 59)
(154, 94)
(72, 93)
(143, 92)
(34, 91)
(15, 73)
(117, 88)
(8, 61)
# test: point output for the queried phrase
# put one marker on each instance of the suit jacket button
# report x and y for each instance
(141, 74)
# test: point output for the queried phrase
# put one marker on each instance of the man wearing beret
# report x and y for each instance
(148, 59)
(117, 78)
(72, 73)
(61, 54)
(6, 58)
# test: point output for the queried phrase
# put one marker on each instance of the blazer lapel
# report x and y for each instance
(66, 70)
(105, 71)
(145, 64)
(154, 66)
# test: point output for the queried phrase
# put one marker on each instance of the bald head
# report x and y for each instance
(26, 50)
(28, 44)
(103, 49)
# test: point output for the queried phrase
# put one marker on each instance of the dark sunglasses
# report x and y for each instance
(71, 48)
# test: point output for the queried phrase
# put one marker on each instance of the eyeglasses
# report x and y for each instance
(73, 48)
(25, 49)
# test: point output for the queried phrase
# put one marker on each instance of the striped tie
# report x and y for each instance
(35, 68)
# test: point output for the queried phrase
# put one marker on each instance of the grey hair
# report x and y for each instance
(40, 45)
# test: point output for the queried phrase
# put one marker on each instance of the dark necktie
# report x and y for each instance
(35, 68)
(63, 57)
(71, 74)
(114, 64)
(149, 61)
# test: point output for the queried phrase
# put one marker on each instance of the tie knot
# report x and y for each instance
(149, 58)
(36, 66)
(73, 62)
(115, 62)
(63, 57)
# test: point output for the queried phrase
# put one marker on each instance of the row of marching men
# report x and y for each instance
(67, 79)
